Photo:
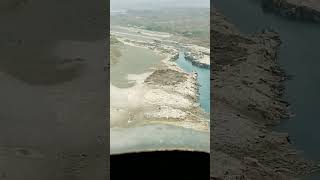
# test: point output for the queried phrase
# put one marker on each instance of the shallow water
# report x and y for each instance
(125, 140)
(203, 80)
(134, 60)
(299, 56)
(133, 139)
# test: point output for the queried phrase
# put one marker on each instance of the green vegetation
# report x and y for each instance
(188, 23)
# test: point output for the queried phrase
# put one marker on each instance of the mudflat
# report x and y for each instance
(133, 60)
(53, 119)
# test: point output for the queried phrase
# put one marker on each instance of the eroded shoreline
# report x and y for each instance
(164, 100)
(170, 95)
(306, 10)
(248, 85)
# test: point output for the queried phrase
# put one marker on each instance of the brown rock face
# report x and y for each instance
(247, 97)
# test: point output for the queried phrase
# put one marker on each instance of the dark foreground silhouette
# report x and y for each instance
(161, 165)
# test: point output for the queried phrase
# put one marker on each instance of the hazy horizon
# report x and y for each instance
(151, 4)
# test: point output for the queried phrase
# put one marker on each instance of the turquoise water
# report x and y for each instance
(203, 80)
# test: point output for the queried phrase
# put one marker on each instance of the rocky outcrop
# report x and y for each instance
(195, 59)
(174, 56)
(307, 10)
(166, 95)
(247, 100)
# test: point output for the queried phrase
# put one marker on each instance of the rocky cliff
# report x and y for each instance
(307, 10)
(247, 93)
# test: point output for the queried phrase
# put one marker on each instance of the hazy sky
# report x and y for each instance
(124, 4)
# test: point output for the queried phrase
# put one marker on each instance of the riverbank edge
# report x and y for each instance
(249, 85)
(171, 54)
(196, 62)
(198, 55)
(293, 9)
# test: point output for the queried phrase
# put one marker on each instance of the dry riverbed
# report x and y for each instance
(198, 55)
(165, 94)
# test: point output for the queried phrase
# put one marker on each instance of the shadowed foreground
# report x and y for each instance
(161, 165)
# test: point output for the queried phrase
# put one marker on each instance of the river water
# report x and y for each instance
(299, 56)
(203, 80)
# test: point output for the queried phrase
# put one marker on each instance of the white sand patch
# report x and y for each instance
(157, 103)
(118, 117)
(139, 78)
(134, 35)
(199, 54)
(118, 96)
(166, 112)
(198, 48)
(146, 32)
(126, 101)
(160, 97)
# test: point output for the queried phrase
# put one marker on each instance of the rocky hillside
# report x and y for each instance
(308, 10)
(247, 96)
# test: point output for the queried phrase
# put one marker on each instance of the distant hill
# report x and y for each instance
(147, 4)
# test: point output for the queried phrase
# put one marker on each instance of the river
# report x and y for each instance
(299, 57)
(203, 80)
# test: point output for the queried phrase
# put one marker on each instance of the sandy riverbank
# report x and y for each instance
(198, 55)
(164, 95)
